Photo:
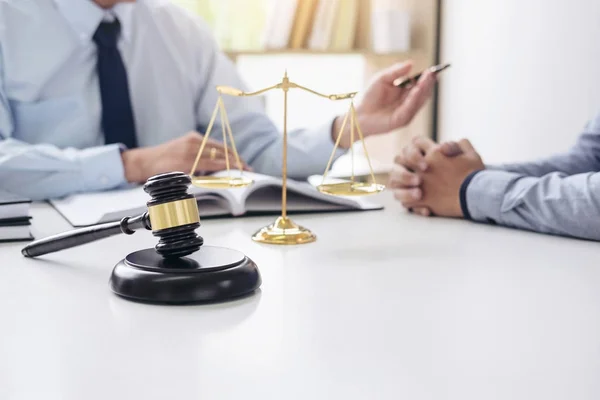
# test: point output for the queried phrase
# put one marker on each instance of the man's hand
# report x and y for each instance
(176, 155)
(386, 107)
(441, 181)
(405, 178)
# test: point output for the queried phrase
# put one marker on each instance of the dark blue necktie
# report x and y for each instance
(117, 113)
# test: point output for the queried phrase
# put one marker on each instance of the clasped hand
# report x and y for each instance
(427, 176)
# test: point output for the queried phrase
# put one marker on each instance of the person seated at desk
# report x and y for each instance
(98, 93)
(559, 195)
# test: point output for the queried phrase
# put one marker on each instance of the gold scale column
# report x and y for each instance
(284, 230)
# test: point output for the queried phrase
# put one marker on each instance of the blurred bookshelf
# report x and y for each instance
(372, 28)
(379, 32)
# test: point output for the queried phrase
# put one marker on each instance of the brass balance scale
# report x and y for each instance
(284, 230)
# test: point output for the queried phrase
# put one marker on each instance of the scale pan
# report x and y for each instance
(221, 182)
(351, 188)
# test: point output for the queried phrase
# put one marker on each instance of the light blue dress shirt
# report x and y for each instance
(52, 143)
(559, 195)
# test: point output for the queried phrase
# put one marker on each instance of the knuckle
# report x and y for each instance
(407, 177)
(437, 150)
(190, 138)
(399, 195)
(400, 179)
(414, 153)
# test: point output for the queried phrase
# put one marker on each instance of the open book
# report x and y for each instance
(262, 197)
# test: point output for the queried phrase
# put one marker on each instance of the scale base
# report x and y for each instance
(211, 274)
(284, 231)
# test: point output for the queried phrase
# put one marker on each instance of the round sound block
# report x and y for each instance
(210, 274)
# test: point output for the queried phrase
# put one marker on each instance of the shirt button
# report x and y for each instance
(103, 180)
(83, 37)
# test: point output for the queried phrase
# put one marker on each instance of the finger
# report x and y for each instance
(219, 156)
(196, 139)
(424, 144)
(414, 158)
(401, 179)
(219, 147)
(399, 70)
(466, 146)
(408, 197)
(211, 165)
(423, 211)
(400, 162)
(423, 90)
(451, 149)
(415, 99)
(413, 155)
(216, 151)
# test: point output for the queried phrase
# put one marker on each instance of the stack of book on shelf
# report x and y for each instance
(336, 26)
(319, 25)
(14, 217)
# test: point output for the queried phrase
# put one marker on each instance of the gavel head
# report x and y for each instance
(173, 214)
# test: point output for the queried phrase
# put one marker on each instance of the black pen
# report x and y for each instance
(403, 82)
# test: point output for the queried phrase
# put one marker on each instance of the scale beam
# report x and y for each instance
(285, 85)
(231, 91)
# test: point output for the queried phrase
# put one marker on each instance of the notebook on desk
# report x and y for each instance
(262, 197)
(14, 217)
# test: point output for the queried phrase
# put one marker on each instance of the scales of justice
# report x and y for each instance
(283, 230)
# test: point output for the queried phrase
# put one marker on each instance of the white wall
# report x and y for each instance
(525, 74)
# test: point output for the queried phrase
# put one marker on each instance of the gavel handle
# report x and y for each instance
(81, 236)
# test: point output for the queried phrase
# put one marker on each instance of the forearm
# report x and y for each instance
(581, 158)
(44, 171)
(555, 203)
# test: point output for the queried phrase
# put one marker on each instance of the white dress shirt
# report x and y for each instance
(51, 140)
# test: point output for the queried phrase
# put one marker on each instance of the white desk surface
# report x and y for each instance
(385, 305)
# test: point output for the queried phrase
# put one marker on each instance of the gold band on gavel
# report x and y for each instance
(172, 214)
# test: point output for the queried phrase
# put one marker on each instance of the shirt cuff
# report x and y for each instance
(482, 194)
(102, 168)
(323, 145)
(463, 194)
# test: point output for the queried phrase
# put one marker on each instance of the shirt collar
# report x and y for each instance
(84, 16)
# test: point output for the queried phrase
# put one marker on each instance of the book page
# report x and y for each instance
(237, 196)
(98, 207)
(10, 211)
(255, 198)
(268, 200)
(265, 195)
(14, 232)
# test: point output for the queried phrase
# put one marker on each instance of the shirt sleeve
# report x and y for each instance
(257, 138)
(44, 171)
(556, 203)
(584, 156)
